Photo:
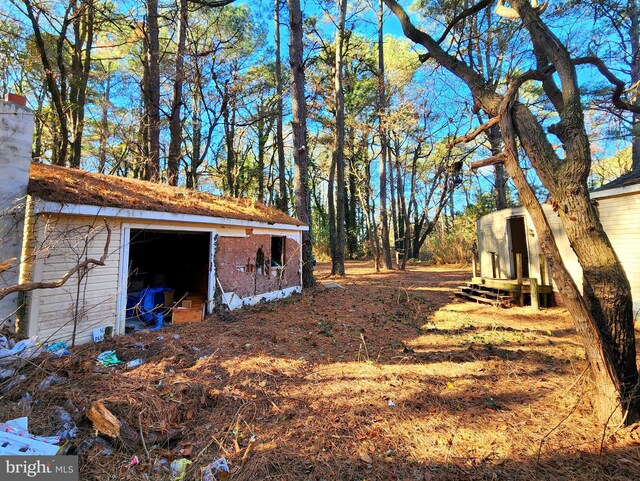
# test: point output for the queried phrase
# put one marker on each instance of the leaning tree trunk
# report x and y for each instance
(634, 31)
(299, 128)
(601, 353)
(603, 313)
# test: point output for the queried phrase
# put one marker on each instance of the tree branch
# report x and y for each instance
(462, 15)
(84, 265)
(494, 159)
(474, 133)
(615, 81)
(212, 3)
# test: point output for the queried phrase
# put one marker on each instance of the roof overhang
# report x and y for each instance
(45, 207)
(616, 192)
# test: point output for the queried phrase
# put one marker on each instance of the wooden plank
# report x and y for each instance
(483, 300)
(535, 301)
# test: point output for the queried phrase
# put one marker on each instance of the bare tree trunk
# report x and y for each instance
(413, 207)
(403, 223)
(175, 124)
(634, 15)
(394, 234)
(67, 88)
(152, 93)
(262, 132)
(299, 127)
(382, 103)
(599, 353)
(499, 177)
(104, 123)
(228, 117)
(352, 224)
(81, 65)
(337, 267)
(331, 206)
(369, 208)
(282, 202)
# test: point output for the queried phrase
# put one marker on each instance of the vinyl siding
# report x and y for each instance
(620, 217)
(62, 242)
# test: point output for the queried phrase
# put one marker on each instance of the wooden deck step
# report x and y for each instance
(480, 299)
(483, 292)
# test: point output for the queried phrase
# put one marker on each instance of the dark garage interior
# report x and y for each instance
(174, 264)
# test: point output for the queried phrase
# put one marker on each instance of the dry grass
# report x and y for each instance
(74, 186)
(387, 379)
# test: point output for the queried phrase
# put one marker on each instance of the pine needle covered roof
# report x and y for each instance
(74, 186)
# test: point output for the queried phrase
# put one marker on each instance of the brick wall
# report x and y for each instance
(237, 270)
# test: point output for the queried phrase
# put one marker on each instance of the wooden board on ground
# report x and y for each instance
(331, 285)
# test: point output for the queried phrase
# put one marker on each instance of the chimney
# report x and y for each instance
(16, 138)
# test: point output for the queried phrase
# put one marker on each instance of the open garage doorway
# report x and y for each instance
(165, 267)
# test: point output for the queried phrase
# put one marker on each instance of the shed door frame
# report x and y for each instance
(123, 269)
(526, 268)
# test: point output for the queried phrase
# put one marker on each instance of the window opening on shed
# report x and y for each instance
(277, 251)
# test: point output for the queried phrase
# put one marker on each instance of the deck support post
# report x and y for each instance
(534, 293)
(519, 275)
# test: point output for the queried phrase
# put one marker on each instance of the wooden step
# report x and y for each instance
(483, 296)
(484, 293)
(480, 299)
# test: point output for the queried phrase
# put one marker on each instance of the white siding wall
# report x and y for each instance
(620, 217)
(61, 243)
(493, 236)
(566, 251)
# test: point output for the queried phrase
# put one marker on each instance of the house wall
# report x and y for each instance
(57, 242)
(236, 265)
(62, 242)
(493, 236)
(620, 217)
(16, 137)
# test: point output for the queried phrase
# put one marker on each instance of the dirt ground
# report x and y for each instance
(386, 379)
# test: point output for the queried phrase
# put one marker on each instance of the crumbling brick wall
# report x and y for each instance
(238, 265)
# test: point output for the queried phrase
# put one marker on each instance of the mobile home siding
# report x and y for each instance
(620, 217)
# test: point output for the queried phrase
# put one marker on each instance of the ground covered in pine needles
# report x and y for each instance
(386, 379)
